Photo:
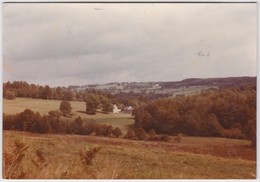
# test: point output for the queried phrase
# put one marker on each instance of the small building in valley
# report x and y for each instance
(115, 109)
(128, 109)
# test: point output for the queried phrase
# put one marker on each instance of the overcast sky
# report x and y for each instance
(78, 44)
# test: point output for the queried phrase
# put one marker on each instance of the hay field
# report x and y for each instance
(129, 159)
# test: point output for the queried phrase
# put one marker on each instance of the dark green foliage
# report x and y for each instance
(117, 132)
(34, 122)
(55, 114)
(141, 134)
(10, 95)
(65, 108)
(130, 134)
(104, 130)
(46, 93)
(41, 125)
(92, 104)
(9, 122)
(68, 95)
(76, 127)
(106, 105)
(224, 113)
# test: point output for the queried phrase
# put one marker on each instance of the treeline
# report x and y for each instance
(225, 113)
(23, 89)
(230, 82)
(33, 122)
(104, 99)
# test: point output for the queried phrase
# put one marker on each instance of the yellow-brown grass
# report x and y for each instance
(122, 158)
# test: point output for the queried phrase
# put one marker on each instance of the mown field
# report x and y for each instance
(193, 158)
(123, 121)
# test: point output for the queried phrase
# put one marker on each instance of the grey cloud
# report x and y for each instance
(63, 44)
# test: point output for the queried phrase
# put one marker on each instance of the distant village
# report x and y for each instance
(146, 87)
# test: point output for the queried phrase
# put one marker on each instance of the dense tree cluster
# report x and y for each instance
(98, 101)
(226, 113)
(33, 122)
(23, 89)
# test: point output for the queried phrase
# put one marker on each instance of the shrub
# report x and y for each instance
(9, 122)
(141, 134)
(65, 108)
(117, 132)
(90, 127)
(41, 125)
(130, 134)
(88, 155)
(55, 114)
(76, 127)
(40, 161)
(12, 162)
(10, 95)
(103, 130)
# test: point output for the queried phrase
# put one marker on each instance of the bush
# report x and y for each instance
(88, 155)
(103, 130)
(12, 162)
(117, 132)
(10, 95)
(130, 134)
(41, 125)
(9, 122)
(55, 114)
(141, 134)
(65, 108)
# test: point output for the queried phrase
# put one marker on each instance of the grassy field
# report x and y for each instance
(78, 109)
(193, 158)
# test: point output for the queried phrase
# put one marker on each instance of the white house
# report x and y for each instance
(115, 109)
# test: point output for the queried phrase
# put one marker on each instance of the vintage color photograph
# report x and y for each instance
(129, 90)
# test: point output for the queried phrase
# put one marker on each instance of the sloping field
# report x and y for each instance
(78, 109)
(121, 158)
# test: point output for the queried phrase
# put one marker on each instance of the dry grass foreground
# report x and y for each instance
(60, 157)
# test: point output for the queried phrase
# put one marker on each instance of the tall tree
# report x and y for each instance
(92, 103)
(65, 108)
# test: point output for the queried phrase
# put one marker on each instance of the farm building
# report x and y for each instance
(115, 109)
(128, 109)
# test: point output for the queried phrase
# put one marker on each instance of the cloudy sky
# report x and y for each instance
(78, 44)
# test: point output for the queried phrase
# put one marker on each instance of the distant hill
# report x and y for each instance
(190, 82)
(219, 82)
